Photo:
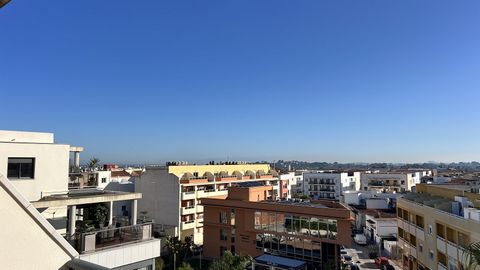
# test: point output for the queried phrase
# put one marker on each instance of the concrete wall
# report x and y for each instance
(25, 136)
(104, 174)
(377, 203)
(125, 255)
(161, 196)
(51, 167)
(24, 243)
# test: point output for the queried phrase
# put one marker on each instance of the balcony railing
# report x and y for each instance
(98, 240)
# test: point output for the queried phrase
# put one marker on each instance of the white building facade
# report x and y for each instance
(330, 184)
(38, 169)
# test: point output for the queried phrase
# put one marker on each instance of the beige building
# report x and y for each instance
(435, 225)
(181, 187)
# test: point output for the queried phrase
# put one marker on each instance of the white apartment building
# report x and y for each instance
(330, 184)
(297, 186)
(38, 169)
(287, 183)
(393, 181)
(380, 226)
(182, 187)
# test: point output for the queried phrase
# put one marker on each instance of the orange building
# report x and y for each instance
(247, 223)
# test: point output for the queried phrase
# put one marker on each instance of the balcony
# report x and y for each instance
(225, 178)
(441, 266)
(265, 176)
(188, 210)
(102, 239)
(189, 195)
(420, 233)
(193, 180)
(452, 250)
(441, 244)
(114, 248)
(211, 193)
(189, 224)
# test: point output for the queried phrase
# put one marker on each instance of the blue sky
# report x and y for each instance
(149, 81)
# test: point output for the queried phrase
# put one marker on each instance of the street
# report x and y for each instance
(360, 257)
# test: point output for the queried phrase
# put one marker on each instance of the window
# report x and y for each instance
(430, 229)
(104, 179)
(420, 248)
(232, 217)
(431, 255)
(223, 235)
(21, 168)
(223, 217)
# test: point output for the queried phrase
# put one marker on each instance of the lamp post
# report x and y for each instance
(3, 3)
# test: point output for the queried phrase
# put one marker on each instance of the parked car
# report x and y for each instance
(380, 261)
(354, 267)
(360, 239)
(347, 260)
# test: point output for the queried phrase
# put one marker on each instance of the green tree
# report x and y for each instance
(174, 247)
(93, 163)
(231, 262)
(185, 266)
(472, 257)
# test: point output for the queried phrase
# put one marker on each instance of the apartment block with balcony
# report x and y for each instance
(181, 187)
(38, 168)
(392, 181)
(330, 184)
(435, 224)
(248, 222)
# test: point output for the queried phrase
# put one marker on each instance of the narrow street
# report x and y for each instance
(360, 257)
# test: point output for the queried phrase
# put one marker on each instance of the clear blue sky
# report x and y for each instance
(149, 81)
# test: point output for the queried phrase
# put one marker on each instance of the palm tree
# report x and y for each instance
(472, 256)
(93, 163)
(231, 262)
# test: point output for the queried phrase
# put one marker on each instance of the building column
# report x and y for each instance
(110, 213)
(71, 220)
(134, 212)
(76, 159)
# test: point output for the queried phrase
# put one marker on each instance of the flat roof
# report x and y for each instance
(279, 261)
(306, 203)
(85, 196)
